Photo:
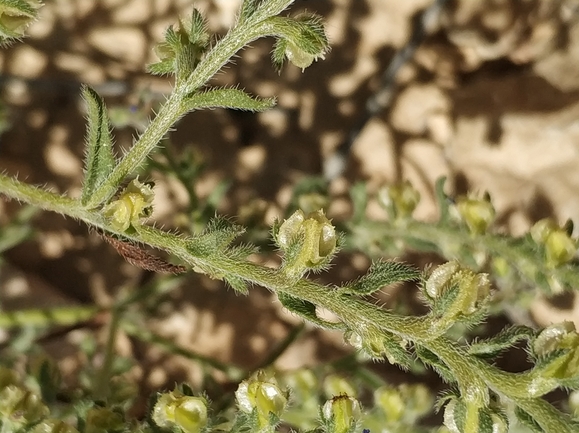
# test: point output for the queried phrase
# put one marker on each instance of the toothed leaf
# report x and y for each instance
(100, 160)
(380, 274)
(500, 342)
(306, 310)
(227, 98)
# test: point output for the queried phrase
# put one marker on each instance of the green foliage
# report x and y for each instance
(457, 293)
(99, 158)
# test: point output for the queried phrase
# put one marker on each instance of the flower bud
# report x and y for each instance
(441, 278)
(554, 337)
(261, 393)
(309, 241)
(134, 204)
(341, 412)
(560, 248)
(403, 198)
(191, 414)
(176, 409)
(574, 403)
(302, 382)
(21, 406)
(15, 17)
(563, 339)
(390, 401)
(478, 214)
(541, 230)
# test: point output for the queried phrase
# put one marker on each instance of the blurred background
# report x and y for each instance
(484, 92)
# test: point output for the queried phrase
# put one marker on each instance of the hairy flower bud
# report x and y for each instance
(557, 336)
(262, 394)
(15, 17)
(478, 214)
(402, 197)
(176, 409)
(341, 413)
(560, 248)
(20, 406)
(308, 241)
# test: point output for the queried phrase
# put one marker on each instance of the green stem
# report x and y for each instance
(233, 373)
(45, 317)
(472, 373)
(292, 336)
(41, 198)
(103, 378)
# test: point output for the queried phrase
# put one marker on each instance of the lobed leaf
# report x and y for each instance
(380, 274)
(100, 160)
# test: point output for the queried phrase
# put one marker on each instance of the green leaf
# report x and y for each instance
(528, 421)
(359, 198)
(18, 230)
(442, 199)
(396, 353)
(215, 238)
(182, 48)
(100, 159)
(227, 98)
(431, 360)
(306, 310)
(380, 274)
(270, 8)
(248, 8)
(500, 342)
(238, 284)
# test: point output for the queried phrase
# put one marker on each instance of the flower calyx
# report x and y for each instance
(175, 409)
(456, 293)
(261, 395)
(559, 246)
(309, 242)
